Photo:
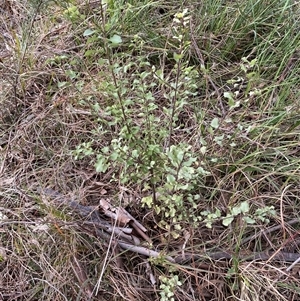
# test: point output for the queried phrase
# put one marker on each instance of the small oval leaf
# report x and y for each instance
(116, 39)
(88, 32)
(215, 123)
(227, 221)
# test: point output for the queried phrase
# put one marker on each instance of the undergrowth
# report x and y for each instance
(184, 113)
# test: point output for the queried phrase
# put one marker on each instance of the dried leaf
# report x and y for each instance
(105, 205)
(122, 216)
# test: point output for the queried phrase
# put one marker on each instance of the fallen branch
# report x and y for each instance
(124, 238)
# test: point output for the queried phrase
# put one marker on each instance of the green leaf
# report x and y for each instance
(227, 220)
(135, 153)
(219, 139)
(253, 63)
(116, 39)
(115, 155)
(148, 200)
(215, 123)
(177, 56)
(62, 84)
(101, 164)
(88, 32)
(105, 150)
(177, 227)
(175, 236)
(209, 224)
(71, 74)
(235, 210)
(231, 101)
(218, 213)
(244, 207)
(249, 220)
(203, 150)
(201, 171)
(170, 178)
(228, 95)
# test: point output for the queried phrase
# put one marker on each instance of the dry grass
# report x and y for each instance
(46, 253)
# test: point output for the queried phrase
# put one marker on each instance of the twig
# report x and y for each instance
(81, 276)
(144, 251)
(293, 264)
(102, 229)
(104, 263)
(270, 230)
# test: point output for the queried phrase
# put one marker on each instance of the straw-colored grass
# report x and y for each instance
(99, 101)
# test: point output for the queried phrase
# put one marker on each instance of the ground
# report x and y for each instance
(149, 150)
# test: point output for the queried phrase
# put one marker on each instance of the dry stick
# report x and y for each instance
(140, 232)
(143, 251)
(262, 256)
(281, 210)
(270, 230)
(279, 255)
(81, 276)
(138, 224)
(293, 264)
(123, 233)
(108, 228)
(89, 210)
(97, 287)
